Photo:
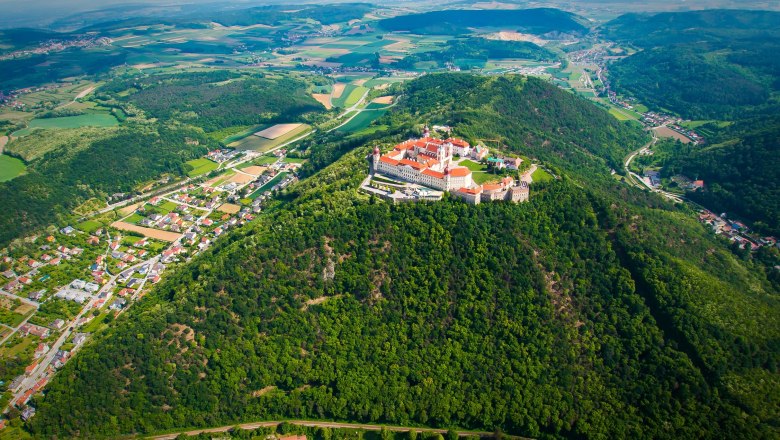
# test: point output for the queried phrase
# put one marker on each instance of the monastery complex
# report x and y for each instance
(428, 162)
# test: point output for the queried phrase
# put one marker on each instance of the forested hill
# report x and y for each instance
(718, 64)
(740, 170)
(215, 100)
(525, 114)
(576, 315)
(459, 21)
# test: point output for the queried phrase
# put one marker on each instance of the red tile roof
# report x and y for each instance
(388, 160)
(432, 173)
(460, 172)
(412, 164)
(476, 190)
(458, 142)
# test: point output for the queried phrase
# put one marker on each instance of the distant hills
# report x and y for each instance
(715, 64)
(460, 21)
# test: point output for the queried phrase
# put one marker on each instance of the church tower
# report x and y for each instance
(375, 159)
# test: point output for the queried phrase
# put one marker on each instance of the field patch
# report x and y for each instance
(88, 120)
(257, 143)
(241, 178)
(10, 167)
(338, 90)
(666, 132)
(201, 166)
(147, 232)
(254, 170)
(324, 99)
(89, 226)
(361, 120)
(229, 208)
(384, 100)
(277, 131)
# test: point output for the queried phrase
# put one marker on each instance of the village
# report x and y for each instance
(426, 168)
(63, 286)
(735, 231)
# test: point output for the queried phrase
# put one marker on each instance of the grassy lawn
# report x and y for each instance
(96, 324)
(541, 175)
(10, 167)
(265, 160)
(134, 218)
(481, 178)
(129, 240)
(473, 166)
(293, 160)
(201, 166)
(167, 206)
(89, 226)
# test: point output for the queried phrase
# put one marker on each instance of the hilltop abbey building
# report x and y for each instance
(429, 162)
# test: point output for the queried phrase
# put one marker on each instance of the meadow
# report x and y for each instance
(201, 166)
(10, 167)
(362, 120)
(87, 120)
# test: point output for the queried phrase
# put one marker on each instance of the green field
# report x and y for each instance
(10, 167)
(541, 175)
(89, 226)
(88, 120)
(485, 177)
(619, 115)
(350, 97)
(262, 145)
(473, 166)
(361, 121)
(201, 166)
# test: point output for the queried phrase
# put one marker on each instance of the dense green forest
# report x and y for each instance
(215, 100)
(479, 50)
(61, 179)
(717, 64)
(593, 311)
(459, 22)
(740, 171)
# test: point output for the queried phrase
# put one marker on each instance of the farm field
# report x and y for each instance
(277, 131)
(10, 167)
(262, 145)
(148, 232)
(350, 96)
(88, 120)
(362, 120)
(201, 166)
(666, 132)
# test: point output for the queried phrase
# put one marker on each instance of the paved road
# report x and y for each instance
(43, 365)
(311, 423)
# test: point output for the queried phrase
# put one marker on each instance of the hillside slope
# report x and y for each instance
(716, 64)
(578, 314)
